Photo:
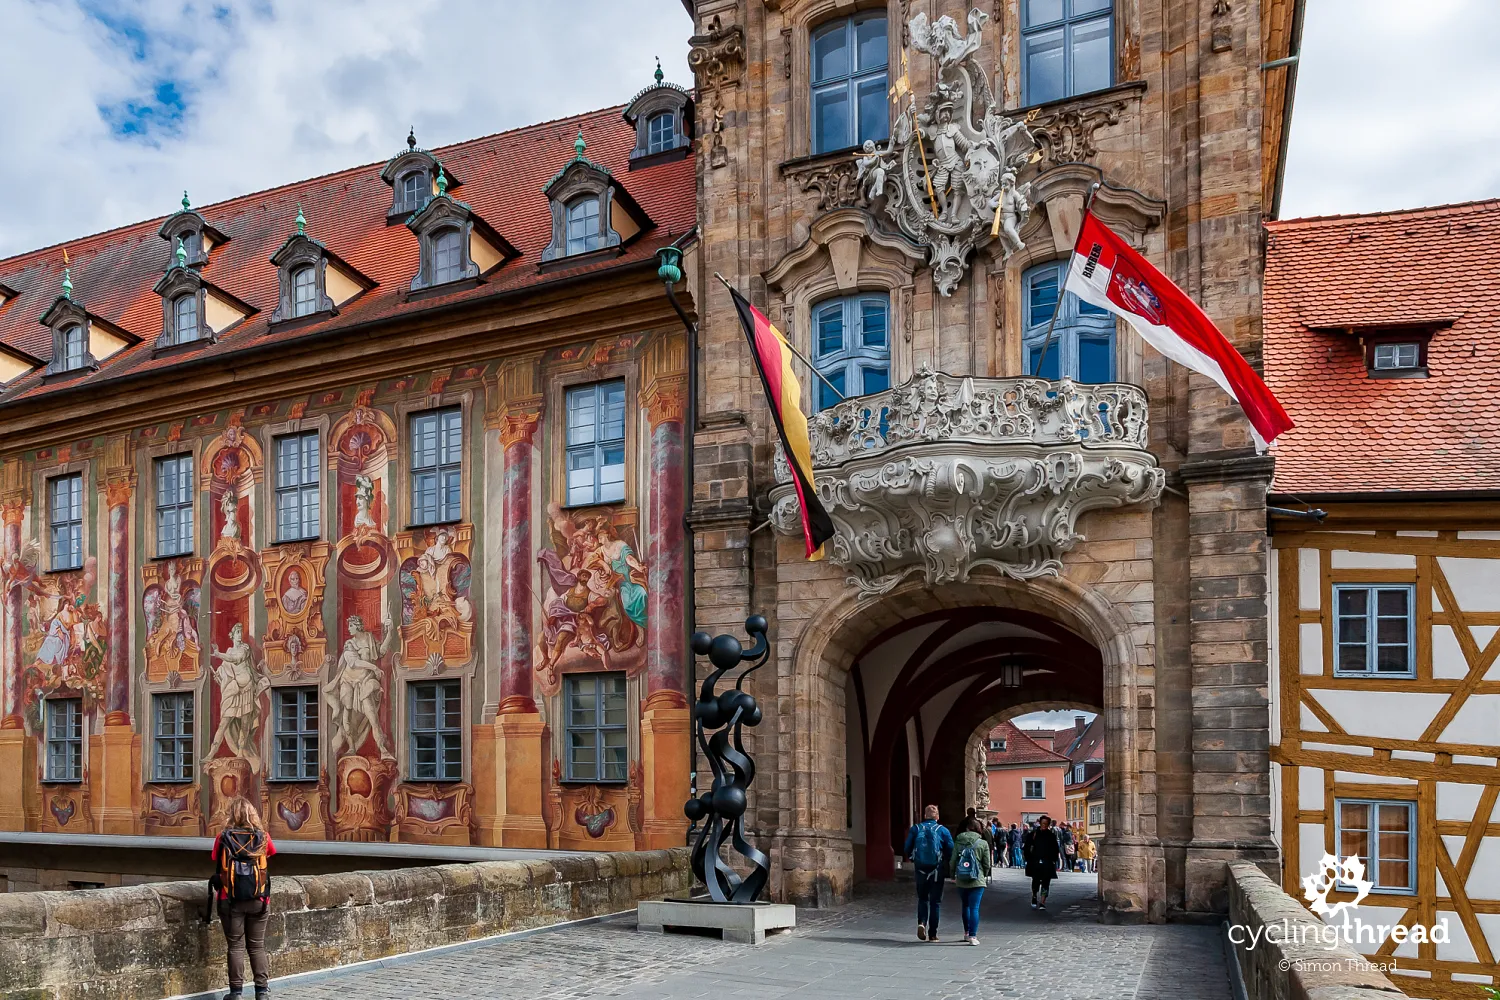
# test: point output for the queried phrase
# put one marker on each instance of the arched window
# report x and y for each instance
(849, 85)
(583, 225)
(447, 257)
(74, 347)
(1083, 339)
(852, 346)
(185, 318)
(415, 190)
(304, 291)
(1067, 48)
(661, 132)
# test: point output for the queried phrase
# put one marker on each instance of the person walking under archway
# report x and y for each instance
(971, 873)
(1040, 848)
(928, 847)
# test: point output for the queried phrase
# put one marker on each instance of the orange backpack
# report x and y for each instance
(242, 865)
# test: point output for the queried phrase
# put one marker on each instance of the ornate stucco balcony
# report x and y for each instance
(943, 474)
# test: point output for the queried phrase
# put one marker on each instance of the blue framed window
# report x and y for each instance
(437, 466)
(596, 727)
(1374, 630)
(64, 727)
(436, 732)
(1067, 48)
(172, 725)
(65, 521)
(595, 427)
(583, 225)
(297, 468)
(661, 132)
(174, 505)
(1083, 339)
(849, 82)
(1383, 835)
(295, 717)
(852, 346)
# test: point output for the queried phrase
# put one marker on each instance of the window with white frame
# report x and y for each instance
(447, 257)
(1395, 357)
(997, 744)
(1067, 48)
(65, 521)
(172, 736)
(1083, 338)
(295, 714)
(304, 291)
(416, 190)
(437, 468)
(63, 718)
(75, 344)
(661, 132)
(595, 416)
(583, 225)
(1374, 629)
(1077, 773)
(1033, 788)
(174, 505)
(596, 727)
(297, 502)
(1096, 815)
(1383, 836)
(852, 346)
(185, 318)
(436, 731)
(849, 82)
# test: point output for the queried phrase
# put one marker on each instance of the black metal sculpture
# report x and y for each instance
(722, 809)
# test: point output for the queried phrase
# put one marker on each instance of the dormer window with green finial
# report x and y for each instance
(313, 280)
(80, 340)
(455, 245)
(197, 237)
(412, 175)
(662, 116)
(591, 211)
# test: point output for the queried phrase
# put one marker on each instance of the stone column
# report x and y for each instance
(509, 754)
(114, 752)
(13, 742)
(665, 721)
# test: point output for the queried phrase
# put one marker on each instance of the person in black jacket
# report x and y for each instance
(1040, 849)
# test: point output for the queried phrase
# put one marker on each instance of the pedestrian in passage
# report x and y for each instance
(1041, 852)
(928, 847)
(243, 890)
(1070, 848)
(1086, 853)
(1015, 847)
(971, 873)
(1064, 841)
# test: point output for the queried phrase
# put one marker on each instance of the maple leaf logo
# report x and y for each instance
(1331, 871)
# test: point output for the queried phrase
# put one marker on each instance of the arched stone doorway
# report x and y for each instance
(952, 657)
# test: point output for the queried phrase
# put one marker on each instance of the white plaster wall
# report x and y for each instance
(1372, 560)
(1475, 582)
(935, 711)
(878, 670)
(1458, 802)
(1309, 579)
(1309, 848)
(1484, 878)
(1458, 948)
(1310, 653)
(1310, 789)
(1491, 535)
(1402, 715)
(1310, 722)
(1447, 657)
(1361, 778)
(1478, 721)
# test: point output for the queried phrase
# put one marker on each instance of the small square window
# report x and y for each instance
(596, 734)
(436, 732)
(1033, 788)
(1374, 630)
(1383, 836)
(63, 719)
(1396, 357)
(172, 734)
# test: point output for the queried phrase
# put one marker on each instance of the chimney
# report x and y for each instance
(1079, 722)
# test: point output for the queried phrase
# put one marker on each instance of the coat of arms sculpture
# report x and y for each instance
(948, 174)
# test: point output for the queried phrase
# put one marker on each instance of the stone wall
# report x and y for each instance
(1282, 970)
(149, 941)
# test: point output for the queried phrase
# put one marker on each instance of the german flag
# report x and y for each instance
(773, 359)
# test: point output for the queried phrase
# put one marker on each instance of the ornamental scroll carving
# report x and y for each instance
(716, 55)
(1067, 136)
(948, 175)
(944, 474)
(837, 183)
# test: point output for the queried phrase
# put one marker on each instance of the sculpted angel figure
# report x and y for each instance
(240, 686)
(1015, 203)
(355, 691)
(941, 39)
(872, 170)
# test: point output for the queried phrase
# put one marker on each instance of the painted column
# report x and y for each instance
(13, 741)
(665, 721)
(510, 753)
(114, 752)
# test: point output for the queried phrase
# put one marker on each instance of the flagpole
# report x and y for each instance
(1063, 288)
(800, 356)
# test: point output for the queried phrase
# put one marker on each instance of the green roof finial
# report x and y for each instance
(301, 222)
(181, 253)
(67, 284)
(579, 145)
(442, 181)
(185, 203)
(659, 73)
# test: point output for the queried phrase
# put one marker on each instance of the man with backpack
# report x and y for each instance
(928, 846)
(243, 890)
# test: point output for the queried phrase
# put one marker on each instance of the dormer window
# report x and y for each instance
(79, 339)
(75, 347)
(414, 192)
(185, 328)
(312, 280)
(447, 257)
(1395, 357)
(412, 176)
(455, 244)
(662, 117)
(583, 225)
(193, 232)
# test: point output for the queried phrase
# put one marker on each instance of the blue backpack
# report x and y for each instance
(925, 851)
(968, 864)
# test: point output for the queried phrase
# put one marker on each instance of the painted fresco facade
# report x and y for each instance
(377, 645)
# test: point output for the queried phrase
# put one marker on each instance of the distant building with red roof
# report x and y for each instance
(1025, 776)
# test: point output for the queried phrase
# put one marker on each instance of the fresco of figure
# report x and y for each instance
(294, 597)
(240, 688)
(364, 502)
(595, 609)
(354, 693)
(173, 618)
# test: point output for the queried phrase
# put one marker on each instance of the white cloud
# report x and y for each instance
(1397, 106)
(279, 90)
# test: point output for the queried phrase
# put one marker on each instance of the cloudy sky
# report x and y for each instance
(114, 106)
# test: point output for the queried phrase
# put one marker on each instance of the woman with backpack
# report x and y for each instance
(243, 890)
(1041, 850)
(971, 873)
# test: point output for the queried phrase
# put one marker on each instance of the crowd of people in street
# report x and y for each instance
(1042, 848)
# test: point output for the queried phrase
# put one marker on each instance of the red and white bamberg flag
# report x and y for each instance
(1108, 273)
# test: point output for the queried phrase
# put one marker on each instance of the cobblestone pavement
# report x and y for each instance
(864, 951)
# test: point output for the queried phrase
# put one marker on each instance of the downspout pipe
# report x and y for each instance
(669, 270)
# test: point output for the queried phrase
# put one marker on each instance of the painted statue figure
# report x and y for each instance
(229, 505)
(354, 693)
(294, 597)
(240, 687)
(174, 627)
(364, 500)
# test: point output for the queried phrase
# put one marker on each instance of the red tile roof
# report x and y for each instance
(502, 177)
(1081, 746)
(1356, 434)
(1019, 749)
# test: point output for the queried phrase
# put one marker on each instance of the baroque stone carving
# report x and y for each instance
(838, 184)
(1067, 136)
(716, 55)
(944, 474)
(948, 175)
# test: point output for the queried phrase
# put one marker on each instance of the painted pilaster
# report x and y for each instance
(115, 751)
(12, 726)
